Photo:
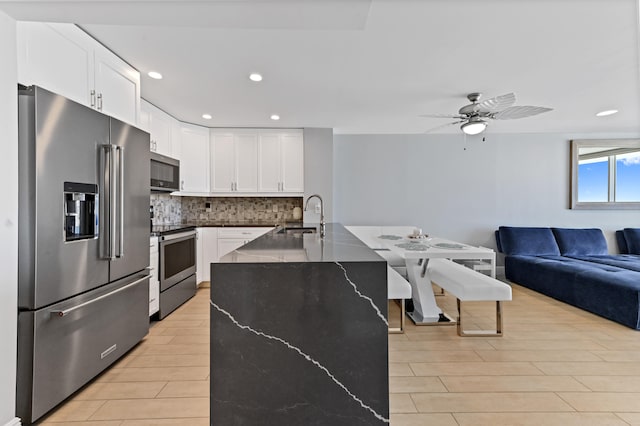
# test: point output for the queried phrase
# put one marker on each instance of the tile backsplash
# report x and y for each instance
(193, 210)
(167, 210)
(239, 209)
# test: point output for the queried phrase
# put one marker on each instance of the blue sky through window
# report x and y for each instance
(593, 180)
(628, 177)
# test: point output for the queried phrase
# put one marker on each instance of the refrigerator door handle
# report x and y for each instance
(120, 151)
(62, 313)
(113, 206)
(105, 184)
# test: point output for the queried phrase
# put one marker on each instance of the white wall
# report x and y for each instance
(8, 217)
(318, 171)
(463, 189)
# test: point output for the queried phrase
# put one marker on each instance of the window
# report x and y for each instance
(605, 174)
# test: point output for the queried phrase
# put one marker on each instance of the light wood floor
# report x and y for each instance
(555, 365)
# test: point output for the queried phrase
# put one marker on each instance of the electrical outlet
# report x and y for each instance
(317, 210)
(274, 208)
(207, 207)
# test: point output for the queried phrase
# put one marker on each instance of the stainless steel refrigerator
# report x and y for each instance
(83, 282)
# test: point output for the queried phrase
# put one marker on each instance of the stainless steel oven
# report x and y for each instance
(177, 258)
(177, 270)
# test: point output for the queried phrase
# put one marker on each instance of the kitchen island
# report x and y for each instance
(299, 332)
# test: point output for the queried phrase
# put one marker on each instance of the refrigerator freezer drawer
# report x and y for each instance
(63, 346)
(176, 295)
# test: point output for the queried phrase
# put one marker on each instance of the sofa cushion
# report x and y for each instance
(622, 242)
(527, 241)
(573, 242)
(632, 238)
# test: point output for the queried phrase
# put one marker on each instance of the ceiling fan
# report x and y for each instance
(477, 114)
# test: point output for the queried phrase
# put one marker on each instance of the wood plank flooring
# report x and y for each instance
(555, 365)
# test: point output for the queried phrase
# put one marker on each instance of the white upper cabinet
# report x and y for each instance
(64, 59)
(176, 137)
(117, 86)
(57, 57)
(160, 125)
(234, 161)
(269, 162)
(281, 161)
(222, 159)
(194, 159)
(247, 162)
(292, 162)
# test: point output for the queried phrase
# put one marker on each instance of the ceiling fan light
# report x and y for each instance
(473, 127)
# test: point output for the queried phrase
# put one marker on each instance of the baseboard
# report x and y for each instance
(14, 422)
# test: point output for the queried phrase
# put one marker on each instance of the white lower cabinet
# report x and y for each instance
(227, 245)
(207, 252)
(229, 239)
(154, 283)
(213, 243)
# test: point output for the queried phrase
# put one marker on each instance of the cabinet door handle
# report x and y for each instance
(92, 94)
(182, 185)
(99, 101)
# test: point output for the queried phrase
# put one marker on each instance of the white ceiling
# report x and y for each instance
(372, 66)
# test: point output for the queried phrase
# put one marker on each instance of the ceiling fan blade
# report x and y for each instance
(433, 129)
(519, 112)
(442, 116)
(498, 103)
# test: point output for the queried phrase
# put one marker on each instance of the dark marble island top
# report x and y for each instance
(299, 332)
(285, 244)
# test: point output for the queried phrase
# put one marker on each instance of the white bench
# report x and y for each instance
(468, 285)
(397, 289)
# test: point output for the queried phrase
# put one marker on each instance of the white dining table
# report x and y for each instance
(416, 252)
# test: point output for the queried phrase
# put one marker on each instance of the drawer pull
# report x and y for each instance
(89, 302)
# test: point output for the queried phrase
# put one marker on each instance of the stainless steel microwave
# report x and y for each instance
(165, 173)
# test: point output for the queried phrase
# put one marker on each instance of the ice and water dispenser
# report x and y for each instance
(80, 211)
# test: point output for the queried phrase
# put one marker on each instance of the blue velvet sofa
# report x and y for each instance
(574, 266)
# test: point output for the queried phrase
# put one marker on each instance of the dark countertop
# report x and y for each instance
(157, 230)
(236, 224)
(338, 245)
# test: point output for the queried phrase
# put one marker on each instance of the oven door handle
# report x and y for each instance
(174, 238)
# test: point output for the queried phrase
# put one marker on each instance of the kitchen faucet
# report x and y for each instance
(306, 207)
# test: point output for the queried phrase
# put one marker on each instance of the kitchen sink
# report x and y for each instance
(298, 230)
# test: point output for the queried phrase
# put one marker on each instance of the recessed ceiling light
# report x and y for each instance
(255, 77)
(607, 112)
(155, 75)
(207, 116)
(275, 117)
